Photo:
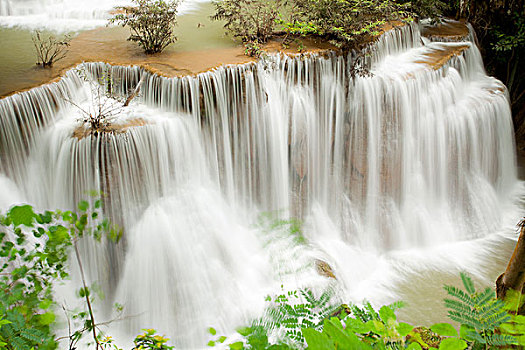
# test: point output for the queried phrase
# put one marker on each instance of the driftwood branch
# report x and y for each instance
(135, 92)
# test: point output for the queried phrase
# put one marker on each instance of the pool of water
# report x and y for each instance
(195, 31)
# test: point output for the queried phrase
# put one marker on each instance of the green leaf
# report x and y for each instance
(83, 205)
(444, 329)
(358, 326)
(211, 343)
(452, 344)
(19, 344)
(386, 314)
(316, 340)
(467, 282)
(244, 331)
(237, 345)
(22, 215)
(47, 318)
(45, 303)
(33, 335)
(404, 328)
(343, 340)
(212, 331)
(414, 346)
(222, 339)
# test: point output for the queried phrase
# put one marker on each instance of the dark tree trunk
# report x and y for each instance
(514, 276)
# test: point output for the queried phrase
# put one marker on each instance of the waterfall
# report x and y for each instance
(415, 154)
(67, 15)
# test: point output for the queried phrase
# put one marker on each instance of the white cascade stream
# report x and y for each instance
(66, 15)
(409, 169)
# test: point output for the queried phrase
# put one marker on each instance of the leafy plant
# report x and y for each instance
(49, 49)
(366, 328)
(516, 325)
(347, 22)
(34, 248)
(151, 23)
(252, 48)
(432, 9)
(150, 340)
(272, 221)
(480, 314)
(30, 267)
(249, 20)
(295, 310)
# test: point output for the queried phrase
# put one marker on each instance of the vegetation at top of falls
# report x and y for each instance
(105, 105)
(49, 49)
(249, 20)
(151, 23)
(346, 23)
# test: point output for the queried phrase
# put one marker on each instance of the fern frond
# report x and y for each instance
(494, 321)
(358, 313)
(467, 319)
(397, 305)
(467, 282)
(491, 309)
(459, 294)
(485, 296)
(369, 309)
(501, 340)
(477, 337)
(457, 305)
(19, 344)
(34, 335)
(308, 296)
(324, 298)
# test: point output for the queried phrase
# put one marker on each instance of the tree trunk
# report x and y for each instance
(514, 275)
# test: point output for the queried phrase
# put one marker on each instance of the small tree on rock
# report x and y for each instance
(151, 23)
(49, 49)
(249, 20)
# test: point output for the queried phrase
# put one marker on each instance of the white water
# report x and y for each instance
(410, 171)
(66, 15)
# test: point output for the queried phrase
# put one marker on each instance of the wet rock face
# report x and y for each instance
(324, 269)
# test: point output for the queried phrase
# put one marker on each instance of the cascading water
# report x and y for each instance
(381, 169)
(66, 15)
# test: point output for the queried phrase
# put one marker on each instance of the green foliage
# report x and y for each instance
(151, 23)
(272, 221)
(366, 328)
(480, 314)
(506, 41)
(249, 20)
(31, 265)
(300, 319)
(348, 22)
(295, 310)
(150, 340)
(34, 251)
(252, 48)
(432, 9)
